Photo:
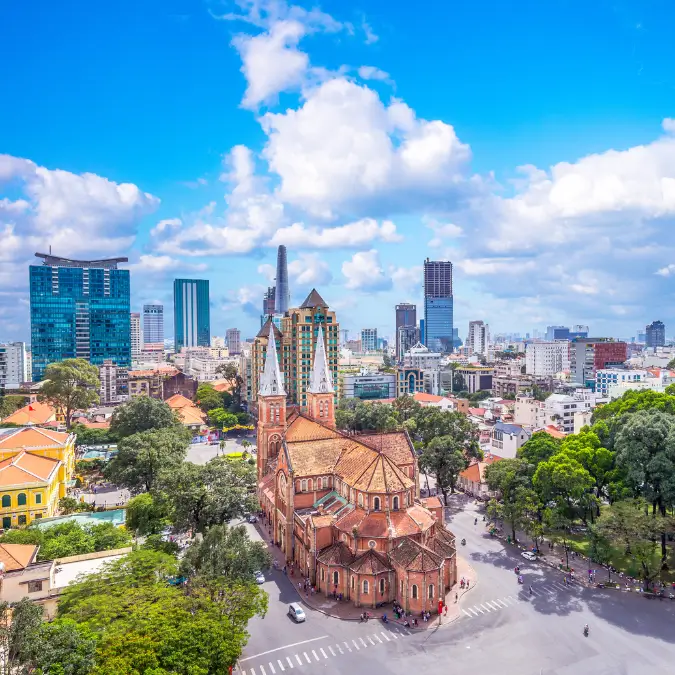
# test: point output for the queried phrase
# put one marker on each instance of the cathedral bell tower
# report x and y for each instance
(320, 397)
(271, 409)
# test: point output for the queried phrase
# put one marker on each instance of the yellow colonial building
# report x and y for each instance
(35, 467)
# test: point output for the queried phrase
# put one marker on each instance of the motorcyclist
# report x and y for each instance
(530, 590)
(586, 629)
(475, 522)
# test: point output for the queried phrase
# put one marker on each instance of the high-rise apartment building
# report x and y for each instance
(296, 344)
(406, 315)
(545, 359)
(406, 338)
(438, 305)
(114, 383)
(136, 336)
(13, 366)
(282, 295)
(655, 334)
(79, 309)
(344, 337)
(233, 341)
(588, 355)
(478, 339)
(369, 339)
(191, 313)
(153, 327)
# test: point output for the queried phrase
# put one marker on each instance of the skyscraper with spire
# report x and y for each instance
(282, 295)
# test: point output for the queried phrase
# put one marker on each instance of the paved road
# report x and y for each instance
(200, 453)
(501, 629)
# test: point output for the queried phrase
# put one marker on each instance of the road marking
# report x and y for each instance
(394, 636)
(297, 658)
(290, 663)
(348, 647)
(467, 613)
(339, 649)
(325, 656)
(384, 635)
(252, 671)
(371, 640)
(272, 668)
(281, 665)
(316, 656)
(377, 638)
(501, 602)
(487, 609)
(357, 647)
(330, 649)
(307, 657)
(494, 604)
(477, 607)
(363, 643)
(295, 644)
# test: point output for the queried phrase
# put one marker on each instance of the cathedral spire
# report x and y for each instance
(322, 381)
(271, 383)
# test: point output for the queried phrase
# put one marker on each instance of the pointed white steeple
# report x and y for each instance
(271, 383)
(322, 381)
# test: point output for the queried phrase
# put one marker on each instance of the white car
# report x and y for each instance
(259, 577)
(296, 612)
(528, 555)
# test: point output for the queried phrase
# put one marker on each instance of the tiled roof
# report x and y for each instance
(421, 516)
(476, 472)
(178, 401)
(161, 370)
(312, 458)
(477, 412)
(382, 475)
(17, 556)
(222, 385)
(511, 429)
(305, 429)
(414, 557)
(431, 502)
(324, 520)
(188, 412)
(375, 524)
(33, 413)
(423, 397)
(336, 554)
(442, 547)
(402, 525)
(350, 520)
(313, 300)
(31, 437)
(394, 444)
(370, 562)
(27, 468)
(554, 431)
(264, 332)
(92, 425)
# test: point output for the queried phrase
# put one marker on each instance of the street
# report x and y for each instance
(502, 628)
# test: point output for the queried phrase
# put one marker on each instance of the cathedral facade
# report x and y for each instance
(345, 508)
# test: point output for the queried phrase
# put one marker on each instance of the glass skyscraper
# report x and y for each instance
(79, 309)
(191, 313)
(153, 327)
(438, 305)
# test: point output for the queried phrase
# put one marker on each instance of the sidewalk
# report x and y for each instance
(345, 609)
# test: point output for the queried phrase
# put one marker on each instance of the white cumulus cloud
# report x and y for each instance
(364, 272)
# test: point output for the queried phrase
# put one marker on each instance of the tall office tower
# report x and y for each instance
(233, 340)
(438, 305)
(406, 315)
(655, 334)
(406, 338)
(191, 313)
(136, 337)
(478, 338)
(153, 327)
(79, 309)
(12, 365)
(297, 344)
(369, 339)
(283, 296)
(268, 304)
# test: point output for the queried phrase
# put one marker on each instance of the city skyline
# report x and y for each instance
(500, 189)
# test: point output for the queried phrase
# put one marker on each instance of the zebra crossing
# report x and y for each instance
(541, 590)
(312, 655)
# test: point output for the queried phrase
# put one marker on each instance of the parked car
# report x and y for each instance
(259, 577)
(296, 612)
(528, 555)
(253, 518)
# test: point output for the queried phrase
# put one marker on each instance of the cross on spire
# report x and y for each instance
(271, 383)
(322, 381)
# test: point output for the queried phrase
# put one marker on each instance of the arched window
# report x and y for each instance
(431, 591)
(381, 586)
(352, 583)
(310, 484)
(401, 593)
(413, 591)
(376, 503)
(360, 499)
(298, 486)
(6, 501)
(395, 503)
(365, 587)
(304, 486)
(21, 500)
(320, 408)
(336, 578)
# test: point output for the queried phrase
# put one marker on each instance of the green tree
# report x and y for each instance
(87, 436)
(634, 401)
(147, 514)
(18, 624)
(212, 494)
(10, 404)
(207, 398)
(444, 459)
(142, 414)
(67, 505)
(141, 458)
(355, 415)
(222, 418)
(70, 385)
(225, 551)
(645, 449)
(406, 407)
(511, 479)
(540, 448)
(433, 423)
(230, 373)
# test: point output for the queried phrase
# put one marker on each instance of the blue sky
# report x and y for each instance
(194, 136)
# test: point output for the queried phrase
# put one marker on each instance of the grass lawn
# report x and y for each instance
(619, 559)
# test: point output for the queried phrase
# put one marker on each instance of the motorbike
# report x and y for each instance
(520, 579)
(585, 631)
(463, 542)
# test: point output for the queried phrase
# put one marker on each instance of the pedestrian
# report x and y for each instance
(445, 610)
(299, 586)
(456, 597)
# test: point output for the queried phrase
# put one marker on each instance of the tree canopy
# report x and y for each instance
(70, 385)
(142, 413)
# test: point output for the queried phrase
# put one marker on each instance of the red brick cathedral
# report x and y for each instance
(345, 508)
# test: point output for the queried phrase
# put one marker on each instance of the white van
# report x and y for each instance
(296, 612)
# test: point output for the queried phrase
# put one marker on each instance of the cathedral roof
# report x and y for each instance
(370, 562)
(304, 429)
(313, 458)
(321, 381)
(370, 471)
(414, 557)
(271, 382)
(265, 330)
(394, 444)
(313, 300)
(336, 554)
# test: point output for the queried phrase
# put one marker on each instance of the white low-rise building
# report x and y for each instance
(507, 438)
(608, 377)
